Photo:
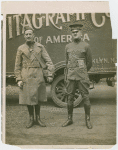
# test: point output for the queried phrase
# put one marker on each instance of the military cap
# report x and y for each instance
(76, 26)
(28, 28)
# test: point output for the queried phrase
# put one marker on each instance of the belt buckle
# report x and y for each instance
(80, 63)
(71, 68)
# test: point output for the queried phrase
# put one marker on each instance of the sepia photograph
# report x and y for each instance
(60, 79)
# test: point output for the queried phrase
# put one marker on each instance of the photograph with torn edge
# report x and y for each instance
(60, 79)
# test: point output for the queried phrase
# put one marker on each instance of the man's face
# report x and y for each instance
(76, 34)
(29, 35)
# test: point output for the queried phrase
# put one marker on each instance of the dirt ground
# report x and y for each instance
(103, 118)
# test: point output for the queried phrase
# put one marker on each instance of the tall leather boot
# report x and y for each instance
(87, 116)
(31, 112)
(70, 116)
(38, 121)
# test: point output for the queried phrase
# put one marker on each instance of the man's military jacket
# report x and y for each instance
(78, 60)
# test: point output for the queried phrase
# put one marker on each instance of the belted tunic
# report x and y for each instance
(78, 60)
(29, 70)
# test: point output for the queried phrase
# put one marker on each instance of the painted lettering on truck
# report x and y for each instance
(36, 21)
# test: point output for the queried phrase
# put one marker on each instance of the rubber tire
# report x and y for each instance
(97, 80)
(54, 97)
(110, 82)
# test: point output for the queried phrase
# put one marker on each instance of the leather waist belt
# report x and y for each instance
(77, 63)
(31, 67)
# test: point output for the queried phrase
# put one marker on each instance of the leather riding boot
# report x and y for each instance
(87, 116)
(70, 115)
(38, 121)
(31, 121)
(69, 121)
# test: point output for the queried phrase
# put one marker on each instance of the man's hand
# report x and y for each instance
(49, 79)
(20, 84)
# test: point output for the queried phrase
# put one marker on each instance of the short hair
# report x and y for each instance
(28, 28)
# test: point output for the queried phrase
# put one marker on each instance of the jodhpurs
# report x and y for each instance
(82, 86)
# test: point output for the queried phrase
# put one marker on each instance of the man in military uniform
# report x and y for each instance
(78, 62)
(31, 60)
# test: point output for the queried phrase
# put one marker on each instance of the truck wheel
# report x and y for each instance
(110, 82)
(58, 92)
(97, 80)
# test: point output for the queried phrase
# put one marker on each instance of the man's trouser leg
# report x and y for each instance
(71, 90)
(37, 112)
(31, 114)
(84, 89)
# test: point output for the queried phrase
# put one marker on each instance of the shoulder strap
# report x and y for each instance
(41, 61)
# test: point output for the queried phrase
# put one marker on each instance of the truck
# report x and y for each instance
(52, 30)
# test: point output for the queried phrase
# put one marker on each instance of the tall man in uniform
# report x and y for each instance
(31, 60)
(78, 62)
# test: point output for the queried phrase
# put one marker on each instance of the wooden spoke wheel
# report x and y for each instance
(58, 93)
